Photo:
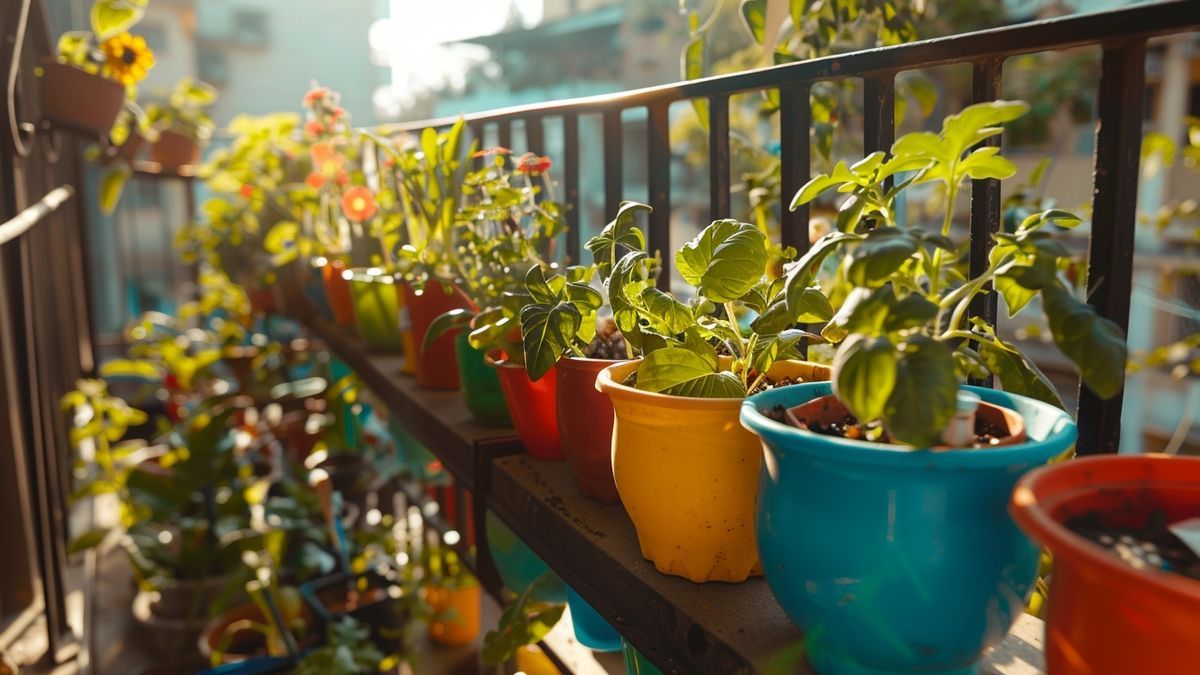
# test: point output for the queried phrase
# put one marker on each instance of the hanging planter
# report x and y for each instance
(435, 365)
(337, 291)
(687, 475)
(518, 565)
(173, 150)
(533, 407)
(76, 99)
(455, 609)
(480, 385)
(376, 302)
(890, 558)
(585, 426)
(591, 629)
(1107, 614)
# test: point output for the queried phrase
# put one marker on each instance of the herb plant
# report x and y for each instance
(907, 337)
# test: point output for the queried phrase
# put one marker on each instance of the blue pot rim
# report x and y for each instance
(789, 439)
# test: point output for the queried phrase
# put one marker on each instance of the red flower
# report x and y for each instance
(533, 164)
(314, 95)
(246, 190)
(315, 180)
(314, 128)
(358, 203)
(326, 159)
(341, 178)
(337, 113)
(498, 150)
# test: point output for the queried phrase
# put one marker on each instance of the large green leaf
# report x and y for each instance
(808, 305)
(879, 255)
(89, 539)
(111, 187)
(682, 371)
(455, 319)
(863, 311)
(619, 236)
(546, 332)
(864, 374)
(911, 311)
(801, 274)
(925, 395)
(1093, 343)
(665, 314)
(771, 348)
(724, 261)
(1017, 373)
(110, 17)
(754, 18)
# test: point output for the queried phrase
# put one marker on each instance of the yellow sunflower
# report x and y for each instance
(127, 58)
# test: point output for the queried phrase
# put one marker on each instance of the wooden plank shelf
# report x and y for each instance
(436, 418)
(682, 626)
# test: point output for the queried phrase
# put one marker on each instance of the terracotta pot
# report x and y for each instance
(687, 473)
(436, 366)
(533, 407)
(76, 99)
(455, 621)
(585, 426)
(1104, 615)
(337, 291)
(173, 150)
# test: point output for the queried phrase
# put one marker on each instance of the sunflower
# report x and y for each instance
(127, 58)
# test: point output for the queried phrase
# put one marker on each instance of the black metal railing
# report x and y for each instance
(1121, 34)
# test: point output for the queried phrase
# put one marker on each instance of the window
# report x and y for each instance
(250, 28)
(212, 66)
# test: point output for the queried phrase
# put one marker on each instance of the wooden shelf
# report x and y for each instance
(681, 626)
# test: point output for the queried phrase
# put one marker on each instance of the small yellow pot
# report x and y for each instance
(687, 472)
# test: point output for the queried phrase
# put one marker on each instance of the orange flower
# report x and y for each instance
(533, 164)
(337, 113)
(498, 150)
(322, 154)
(358, 203)
(246, 191)
(314, 95)
(314, 128)
(315, 180)
(342, 178)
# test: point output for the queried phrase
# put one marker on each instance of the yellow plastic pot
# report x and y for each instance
(687, 473)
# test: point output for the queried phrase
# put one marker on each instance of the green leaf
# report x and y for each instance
(619, 236)
(87, 540)
(863, 311)
(808, 305)
(111, 187)
(546, 332)
(1017, 373)
(665, 314)
(911, 311)
(693, 68)
(879, 255)
(978, 122)
(801, 274)
(864, 375)
(131, 368)
(455, 319)
(1015, 295)
(681, 371)
(769, 349)
(724, 261)
(110, 17)
(754, 18)
(985, 163)
(1093, 343)
(925, 396)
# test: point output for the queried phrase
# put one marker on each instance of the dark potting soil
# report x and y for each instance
(608, 343)
(986, 433)
(1152, 546)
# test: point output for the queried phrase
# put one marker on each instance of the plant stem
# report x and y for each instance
(935, 273)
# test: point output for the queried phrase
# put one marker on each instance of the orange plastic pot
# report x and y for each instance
(532, 405)
(455, 621)
(585, 426)
(436, 365)
(1103, 615)
(337, 289)
(687, 473)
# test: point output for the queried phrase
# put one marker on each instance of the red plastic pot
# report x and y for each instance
(1105, 616)
(337, 288)
(585, 425)
(533, 407)
(436, 366)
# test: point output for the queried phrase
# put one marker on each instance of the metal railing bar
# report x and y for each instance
(985, 199)
(795, 158)
(614, 156)
(879, 113)
(535, 136)
(1114, 219)
(35, 213)
(718, 156)
(570, 158)
(1141, 21)
(658, 187)
(504, 133)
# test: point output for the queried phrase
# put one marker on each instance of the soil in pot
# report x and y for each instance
(1149, 546)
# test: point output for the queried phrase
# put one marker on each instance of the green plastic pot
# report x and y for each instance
(376, 309)
(480, 385)
(635, 663)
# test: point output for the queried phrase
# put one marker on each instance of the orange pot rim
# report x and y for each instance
(611, 378)
(1057, 483)
(587, 362)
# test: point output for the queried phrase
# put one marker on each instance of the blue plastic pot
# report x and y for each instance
(517, 564)
(591, 629)
(892, 559)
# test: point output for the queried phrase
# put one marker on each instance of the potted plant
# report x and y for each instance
(181, 124)
(506, 225)
(563, 335)
(526, 619)
(685, 471)
(882, 524)
(453, 597)
(1125, 587)
(86, 85)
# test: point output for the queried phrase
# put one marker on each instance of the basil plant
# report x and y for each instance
(907, 338)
